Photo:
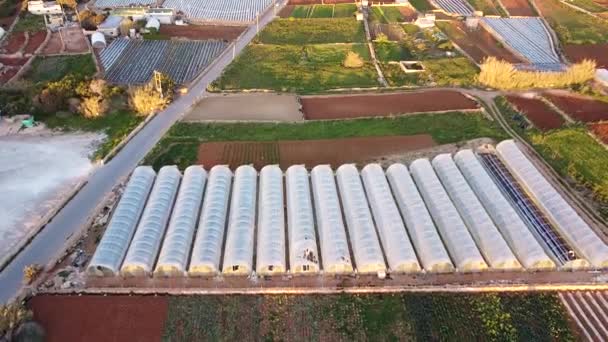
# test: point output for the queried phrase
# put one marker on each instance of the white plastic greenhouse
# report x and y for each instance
(398, 249)
(433, 255)
(303, 250)
(113, 246)
(271, 223)
(332, 233)
(362, 233)
(207, 249)
(238, 254)
(453, 230)
(566, 220)
(486, 235)
(173, 258)
(144, 248)
(529, 252)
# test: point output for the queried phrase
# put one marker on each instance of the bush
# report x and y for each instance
(31, 272)
(353, 60)
(503, 75)
(90, 20)
(11, 317)
(94, 106)
(145, 100)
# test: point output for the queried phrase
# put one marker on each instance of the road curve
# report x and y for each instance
(50, 241)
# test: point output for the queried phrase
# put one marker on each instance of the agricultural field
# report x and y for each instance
(180, 145)
(573, 153)
(421, 5)
(579, 108)
(600, 130)
(585, 308)
(133, 61)
(286, 153)
(421, 317)
(322, 11)
(594, 6)
(387, 14)
(53, 68)
(302, 55)
(519, 8)
(571, 26)
(488, 7)
(538, 112)
(455, 7)
(479, 43)
(595, 52)
(318, 31)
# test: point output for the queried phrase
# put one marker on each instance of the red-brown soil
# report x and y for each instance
(6, 74)
(14, 42)
(13, 61)
(368, 105)
(309, 152)
(286, 11)
(53, 46)
(600, 129)
(580, 108)
(75, 40)
(202, 32)
(408, 13)
(541, 114)
(479, 43)
(36, 39)
(98, 318)
(596, 52)
(519, 8)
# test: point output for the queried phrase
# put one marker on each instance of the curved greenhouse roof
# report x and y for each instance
(175, 251)
(455, 234)
(398, 248)
(566, 220)
(207, 248)
(362, 232)
(486, 235)
(238, 254)
(144, 248)
(303, 251)
(425, 237)
(270, 257)
(113, 246)
(332, 234)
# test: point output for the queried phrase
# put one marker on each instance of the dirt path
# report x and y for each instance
(245, 107)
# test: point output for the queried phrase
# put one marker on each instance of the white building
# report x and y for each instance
(40, 7)
(111, 26)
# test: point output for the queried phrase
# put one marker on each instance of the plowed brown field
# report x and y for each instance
(541, 115)
(518, 8)
(580, 108)
(368, 105)
(308, 152)
(600, 129)
(596, 52)
(36, 39)
(202, 32)
(14, 42)
(98, 318)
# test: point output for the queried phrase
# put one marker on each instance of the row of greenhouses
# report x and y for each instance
(454, 213)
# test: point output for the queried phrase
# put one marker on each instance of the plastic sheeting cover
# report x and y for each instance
(332, 233)
(303, 250)
(207, 249)
(238, 254)
(453, 230)
(418, 221)
(113, 246)
(514, 230)
(488, 238)
(571, 226)
(144, 248)
(363, 238)
(174, 253)
(271, 222)
(398, 249)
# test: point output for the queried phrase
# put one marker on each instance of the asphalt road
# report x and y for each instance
(51, 240)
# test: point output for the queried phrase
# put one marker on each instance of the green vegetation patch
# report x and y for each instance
(395, 76)
(179, 146)
(386, 14)
(457, 71)
(305, 69)
(53, 68)
(572, 26)
(322, 11)
(421, 5)
(488, 7)
(589, 5)
(318, 31)
(345, 10)
(390, 51)
(375, 317)
(31, 23)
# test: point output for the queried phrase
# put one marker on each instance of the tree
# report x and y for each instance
(68, 3)
(145, 100)
(31, 272)
(90, 20)
(94, 106)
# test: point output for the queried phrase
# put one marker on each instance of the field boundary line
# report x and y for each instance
(574, 316)
(580, 9)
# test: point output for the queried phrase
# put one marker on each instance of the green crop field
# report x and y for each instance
(386, 14)
(457, 71)
(391, 317)
(53, 68)
(344, 10)
(307, 31)
(179, 146)
(571, 26)
(488, 7)
(589, 5)
(421, 5)
(324, 11)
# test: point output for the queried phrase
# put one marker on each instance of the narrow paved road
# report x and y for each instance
(78, 211)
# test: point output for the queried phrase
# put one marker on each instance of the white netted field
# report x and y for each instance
(219, 10)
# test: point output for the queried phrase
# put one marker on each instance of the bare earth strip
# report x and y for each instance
(246, 107)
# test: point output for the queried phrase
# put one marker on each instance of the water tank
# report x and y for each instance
(98, 40)
(153, 23)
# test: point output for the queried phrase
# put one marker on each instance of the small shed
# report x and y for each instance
(111, 26)
(98, 40)
(153, 23)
